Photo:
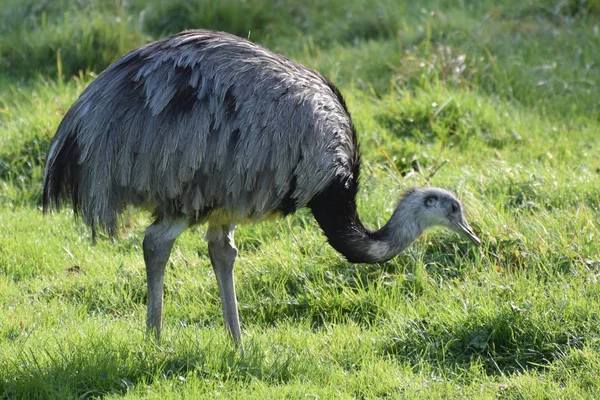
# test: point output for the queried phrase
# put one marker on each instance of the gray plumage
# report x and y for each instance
(204, 126)
(220, 122)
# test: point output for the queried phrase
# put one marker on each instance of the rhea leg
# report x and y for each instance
(158, 243)
(222, 252)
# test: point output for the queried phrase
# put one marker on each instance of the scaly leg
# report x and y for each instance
(158, 243)
(222, 252)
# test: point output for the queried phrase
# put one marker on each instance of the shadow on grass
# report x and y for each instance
(342, 292)
(102, 367)
(507, 342)
(320, 295)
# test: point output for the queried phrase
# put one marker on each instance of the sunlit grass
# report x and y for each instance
(496, 101)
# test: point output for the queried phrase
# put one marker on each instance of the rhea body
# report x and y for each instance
(206, 127)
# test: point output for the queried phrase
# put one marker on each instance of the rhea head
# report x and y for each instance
(433, 206)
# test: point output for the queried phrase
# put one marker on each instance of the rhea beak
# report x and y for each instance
(464, 229)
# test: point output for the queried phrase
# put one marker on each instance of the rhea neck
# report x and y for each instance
(335, 211)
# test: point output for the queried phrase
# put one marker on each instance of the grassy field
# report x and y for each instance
(496, 100)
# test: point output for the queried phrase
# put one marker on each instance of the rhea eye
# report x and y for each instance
(430, 200)
(454, 207)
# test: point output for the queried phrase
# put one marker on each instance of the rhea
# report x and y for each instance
(207, 127)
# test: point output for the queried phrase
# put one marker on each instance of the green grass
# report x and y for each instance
(495, 100)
